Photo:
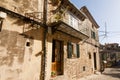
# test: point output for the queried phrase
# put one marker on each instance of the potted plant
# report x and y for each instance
(53, 74)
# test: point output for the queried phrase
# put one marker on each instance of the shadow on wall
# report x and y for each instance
(35, 34)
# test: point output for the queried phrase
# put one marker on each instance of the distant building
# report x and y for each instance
(111, 53)
(42, 40)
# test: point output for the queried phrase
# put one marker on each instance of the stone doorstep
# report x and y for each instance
(57, 77)
(97, 72)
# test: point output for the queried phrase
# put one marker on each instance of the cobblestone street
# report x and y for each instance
(108, 74)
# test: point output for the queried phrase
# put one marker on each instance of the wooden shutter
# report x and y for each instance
(69, 50)
(78, 50)
(94, 35)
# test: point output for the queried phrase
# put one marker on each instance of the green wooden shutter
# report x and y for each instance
(69, 50)
(78, 50)
(94, 35)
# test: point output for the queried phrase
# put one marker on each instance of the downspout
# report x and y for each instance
(43, 58)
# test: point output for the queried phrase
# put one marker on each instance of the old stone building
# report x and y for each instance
(47, 39)
(110, 52)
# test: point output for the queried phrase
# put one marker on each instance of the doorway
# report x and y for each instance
(95, 62)
(57, 57)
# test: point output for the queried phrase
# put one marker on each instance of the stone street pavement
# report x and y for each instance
(108, 74)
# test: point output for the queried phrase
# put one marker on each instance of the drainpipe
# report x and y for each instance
(43, 58)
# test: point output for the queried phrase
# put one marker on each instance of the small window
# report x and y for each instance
(89, 54)
(27, 44)
(93, 35)
(84, 68)
(1, 22)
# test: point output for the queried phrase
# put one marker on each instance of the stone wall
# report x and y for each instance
(73, 68)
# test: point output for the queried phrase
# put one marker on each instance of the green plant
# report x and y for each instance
(55, 2)
(58, 16)
(53, 74)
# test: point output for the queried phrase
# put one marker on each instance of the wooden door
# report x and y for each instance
(95, 62)
(57, 57)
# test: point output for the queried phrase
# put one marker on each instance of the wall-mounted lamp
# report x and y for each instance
(3, 15)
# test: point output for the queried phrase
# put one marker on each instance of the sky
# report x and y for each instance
(107, 14)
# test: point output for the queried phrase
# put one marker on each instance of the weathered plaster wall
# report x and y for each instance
(22, 6)
(19, 61)
(11, 54)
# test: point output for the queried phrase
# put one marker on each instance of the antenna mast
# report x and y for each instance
(105, 29)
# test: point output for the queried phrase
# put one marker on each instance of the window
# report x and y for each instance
(28, 44)
(1, 22)
(84, 68)
(73, 50)
(89, 54)
(93, 35)
(73, 21)
(76, 24)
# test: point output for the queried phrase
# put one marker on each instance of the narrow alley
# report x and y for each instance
(108, 74)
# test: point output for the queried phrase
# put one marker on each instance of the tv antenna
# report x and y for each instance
(105, 33)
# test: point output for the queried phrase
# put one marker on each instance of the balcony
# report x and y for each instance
(70, 21)
(65, 28)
